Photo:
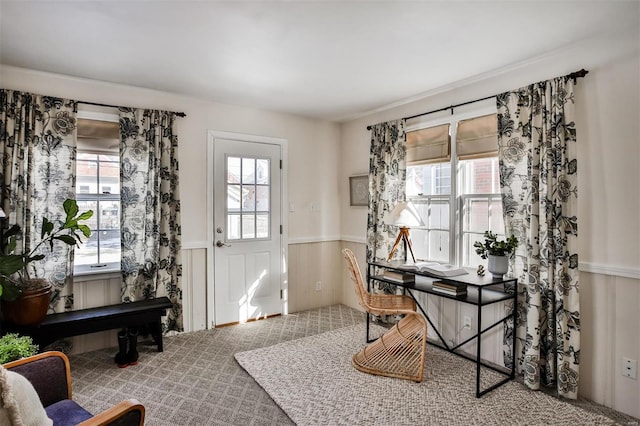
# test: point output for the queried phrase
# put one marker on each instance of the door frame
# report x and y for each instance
(212, 136)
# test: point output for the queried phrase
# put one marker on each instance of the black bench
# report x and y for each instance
(143, 314)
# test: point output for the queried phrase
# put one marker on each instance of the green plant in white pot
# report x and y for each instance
(497, 252)
(17, 283)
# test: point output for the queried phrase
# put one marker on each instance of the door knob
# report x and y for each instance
(219, 243)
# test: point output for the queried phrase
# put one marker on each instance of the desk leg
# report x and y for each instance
(479, 342)
(366, 337)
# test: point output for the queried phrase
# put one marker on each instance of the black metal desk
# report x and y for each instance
(481, 291)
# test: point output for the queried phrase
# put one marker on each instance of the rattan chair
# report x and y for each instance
(400, 351)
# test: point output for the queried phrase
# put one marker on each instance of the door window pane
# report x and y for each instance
(262, 198)
(248, 226)
(262, 171)
(262, 226)
(233, 170)
(248, 170)
(248, 198)
(233, 227)
(233, 198)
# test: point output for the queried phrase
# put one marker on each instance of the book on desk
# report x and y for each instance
(452, 289)
(401, 277)
(438, 269)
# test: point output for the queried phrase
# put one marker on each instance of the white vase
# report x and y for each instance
(498, 266)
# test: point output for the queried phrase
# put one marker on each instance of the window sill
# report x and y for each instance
(87, 274)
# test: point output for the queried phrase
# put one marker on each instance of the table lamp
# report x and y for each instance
(404, 215)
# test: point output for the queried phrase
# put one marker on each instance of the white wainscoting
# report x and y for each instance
(310, 262)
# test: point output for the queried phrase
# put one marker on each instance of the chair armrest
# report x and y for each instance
(127, 412)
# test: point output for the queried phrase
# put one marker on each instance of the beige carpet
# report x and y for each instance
(313, 381)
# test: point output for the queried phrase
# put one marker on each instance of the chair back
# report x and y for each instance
(48, 372)
(356, 277)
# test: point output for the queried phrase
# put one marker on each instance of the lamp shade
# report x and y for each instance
(405, 214)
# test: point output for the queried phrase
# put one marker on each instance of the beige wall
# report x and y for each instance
(313, 146)
(608, 126)
(313, 149)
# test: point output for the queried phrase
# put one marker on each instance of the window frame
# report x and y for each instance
(456, 201)
(101, 268)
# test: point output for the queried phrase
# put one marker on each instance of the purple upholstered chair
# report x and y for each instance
(50, 375)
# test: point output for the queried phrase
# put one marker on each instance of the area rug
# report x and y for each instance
(314, 383)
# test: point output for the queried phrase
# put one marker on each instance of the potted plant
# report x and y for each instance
(13, 347)
(497, 252)
(25, 298)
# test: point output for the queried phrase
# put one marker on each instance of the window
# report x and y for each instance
(248, 198)
(453, 180)
(98, 189)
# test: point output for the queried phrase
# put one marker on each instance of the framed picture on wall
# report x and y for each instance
(359, 190)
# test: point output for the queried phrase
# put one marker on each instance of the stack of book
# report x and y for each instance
(400, 277)
(452, 289)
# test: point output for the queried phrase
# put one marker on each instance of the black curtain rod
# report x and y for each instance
(574, 75)
(179, 114)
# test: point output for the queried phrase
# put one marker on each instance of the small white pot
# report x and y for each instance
(498, 266)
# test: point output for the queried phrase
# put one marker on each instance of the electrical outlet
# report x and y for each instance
(318, 285)
(629, 368)
(467, 322)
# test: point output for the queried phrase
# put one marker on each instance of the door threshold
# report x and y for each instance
(229, 324)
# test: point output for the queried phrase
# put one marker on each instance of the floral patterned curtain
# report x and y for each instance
(387, 182)
(538, 177)
(150, 218)
(37, 167)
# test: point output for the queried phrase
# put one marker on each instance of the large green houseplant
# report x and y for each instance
(16, 278)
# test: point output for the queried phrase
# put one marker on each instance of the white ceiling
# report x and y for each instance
(325, 59)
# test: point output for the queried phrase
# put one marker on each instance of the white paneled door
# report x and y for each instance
(246, 230)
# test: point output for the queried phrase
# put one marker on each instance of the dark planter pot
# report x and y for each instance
(31, 307)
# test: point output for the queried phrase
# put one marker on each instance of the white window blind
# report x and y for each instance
(477, 137)
(98, 137)
(430, 145)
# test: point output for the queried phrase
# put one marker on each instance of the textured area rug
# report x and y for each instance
(313, 381)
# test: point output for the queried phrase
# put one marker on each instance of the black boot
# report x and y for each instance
(132, 355)
(121, 357)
